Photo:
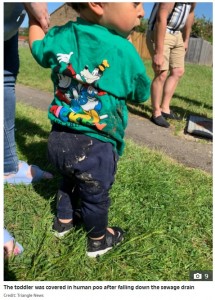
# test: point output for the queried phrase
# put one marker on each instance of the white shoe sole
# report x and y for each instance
(98, 253)
(61, 234)
(101, 252)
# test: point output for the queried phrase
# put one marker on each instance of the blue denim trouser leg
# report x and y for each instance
(11, 67)
(88, 167)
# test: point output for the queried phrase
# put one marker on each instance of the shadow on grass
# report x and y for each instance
(195, 102)
(146, 111)
(139, 110)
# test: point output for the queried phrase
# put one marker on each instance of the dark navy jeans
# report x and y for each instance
(88, 167)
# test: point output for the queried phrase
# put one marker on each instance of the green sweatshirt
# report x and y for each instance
(94, 72)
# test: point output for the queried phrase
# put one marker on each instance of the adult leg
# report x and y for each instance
(176, 62)
(157, 83)
(157, 92)
(156, 98)
(15, 171)
(169, 88)
(11, 67)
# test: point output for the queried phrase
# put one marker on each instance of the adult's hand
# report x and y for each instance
(157, 63)
(39, 11)
(186, 45)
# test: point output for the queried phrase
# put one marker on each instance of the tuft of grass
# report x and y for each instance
(164, 208)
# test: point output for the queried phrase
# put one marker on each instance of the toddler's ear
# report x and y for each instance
(97, 7)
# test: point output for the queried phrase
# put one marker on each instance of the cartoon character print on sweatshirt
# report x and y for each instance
(80, 98)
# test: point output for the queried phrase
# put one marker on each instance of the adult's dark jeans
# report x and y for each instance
(11, 68)
(88, 167)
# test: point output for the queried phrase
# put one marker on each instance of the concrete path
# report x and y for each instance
(186, 150)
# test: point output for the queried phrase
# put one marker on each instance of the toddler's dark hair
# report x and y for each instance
(77, 6)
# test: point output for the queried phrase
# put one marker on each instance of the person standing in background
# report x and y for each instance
(168, 34)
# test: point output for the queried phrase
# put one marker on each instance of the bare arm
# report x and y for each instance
(188, 26)
(35, 31)
(160, 30)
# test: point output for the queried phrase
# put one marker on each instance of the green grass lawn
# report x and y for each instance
(165, 209)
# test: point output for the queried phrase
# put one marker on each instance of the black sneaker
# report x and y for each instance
(61, 228)
(98, 247)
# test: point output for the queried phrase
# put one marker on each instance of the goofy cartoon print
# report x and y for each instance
(80, 98)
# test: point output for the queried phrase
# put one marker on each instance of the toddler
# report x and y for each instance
(95, 70)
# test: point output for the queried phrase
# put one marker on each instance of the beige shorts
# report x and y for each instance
(174, 52)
